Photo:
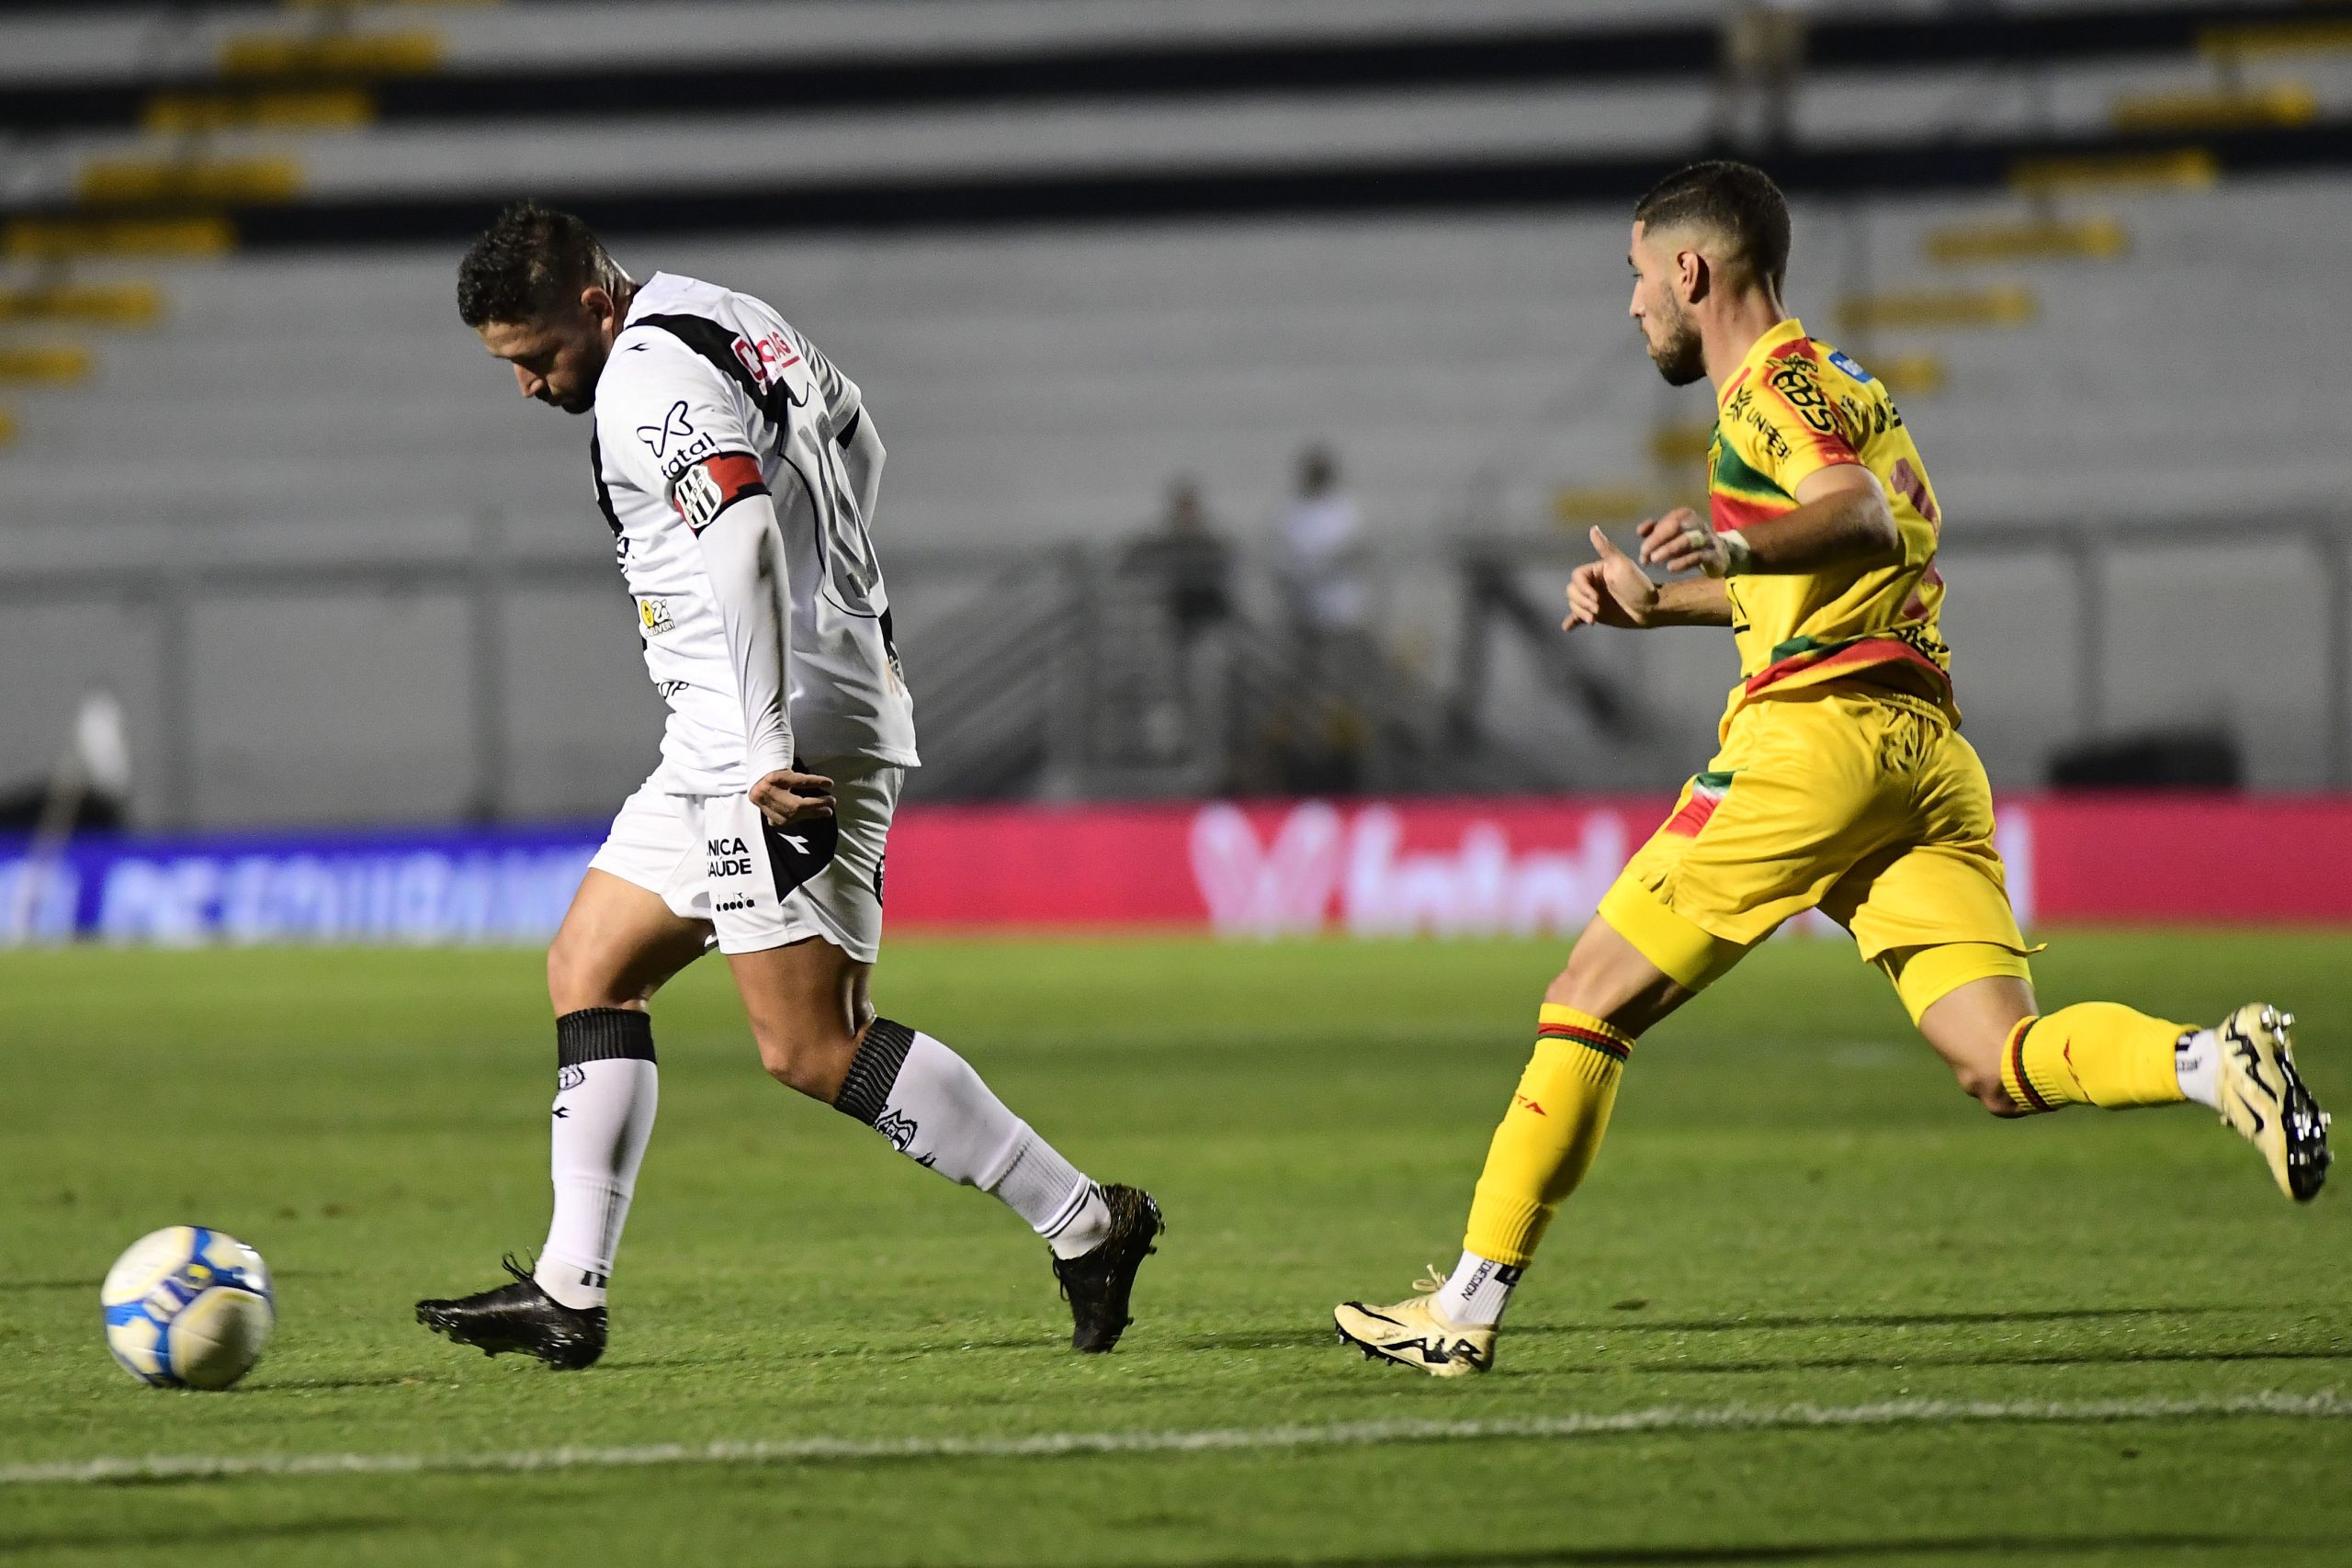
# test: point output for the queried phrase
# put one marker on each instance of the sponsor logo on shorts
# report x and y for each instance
(729, 856)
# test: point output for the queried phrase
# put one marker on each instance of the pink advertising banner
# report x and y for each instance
(1539, 866)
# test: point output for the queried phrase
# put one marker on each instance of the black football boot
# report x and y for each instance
(1097, 1284)
(520, 1317)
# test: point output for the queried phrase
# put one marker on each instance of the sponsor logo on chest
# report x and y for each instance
(676, 443)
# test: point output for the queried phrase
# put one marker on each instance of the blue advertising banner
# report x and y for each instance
(436, 886)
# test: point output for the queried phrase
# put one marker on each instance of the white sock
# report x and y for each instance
(606, 1090)
(2197, 1062)
(1474, 1295)
(935, 1109)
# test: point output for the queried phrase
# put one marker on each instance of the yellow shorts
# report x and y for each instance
(1865, 805)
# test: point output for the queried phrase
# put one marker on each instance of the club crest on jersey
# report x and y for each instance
(708, 488)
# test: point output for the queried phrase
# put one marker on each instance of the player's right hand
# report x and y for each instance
(1611, 592)
(785, 796)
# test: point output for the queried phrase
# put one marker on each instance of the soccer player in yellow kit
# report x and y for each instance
(1842, 783)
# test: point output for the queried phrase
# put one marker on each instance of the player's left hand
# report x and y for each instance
(785, 796)
(1684, 541)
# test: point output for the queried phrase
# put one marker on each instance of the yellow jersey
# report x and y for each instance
(1795, 408)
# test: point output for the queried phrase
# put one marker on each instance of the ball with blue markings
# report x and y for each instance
(189, 1307)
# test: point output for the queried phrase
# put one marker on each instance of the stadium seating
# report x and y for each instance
(1041, 384)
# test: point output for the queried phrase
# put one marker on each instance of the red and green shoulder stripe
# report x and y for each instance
(1738, 495)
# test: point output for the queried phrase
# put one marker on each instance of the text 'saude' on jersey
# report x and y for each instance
(710, 397)
(1796, 407)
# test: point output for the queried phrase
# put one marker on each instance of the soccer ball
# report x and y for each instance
(187, 1307)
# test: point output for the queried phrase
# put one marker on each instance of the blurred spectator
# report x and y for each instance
(90, 788)
(1325, 568)
(1191, 561)
(1323, 562)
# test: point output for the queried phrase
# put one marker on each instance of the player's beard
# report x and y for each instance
(1679, 357)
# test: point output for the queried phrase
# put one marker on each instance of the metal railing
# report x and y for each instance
(1067, 676)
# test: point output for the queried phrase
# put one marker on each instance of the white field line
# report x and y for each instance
(1049, 1444)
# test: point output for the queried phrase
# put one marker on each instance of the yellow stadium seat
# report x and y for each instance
(2008, 305)
(1578, 506)
(57, 238)
(2229, 110)
(1911, 374)
(2039, 239)
(2187, 168)
(2249, 40)
(183, 113)
(351, 54)
(52, 365)
(1675, 444)
(130, 180)
(91, 304)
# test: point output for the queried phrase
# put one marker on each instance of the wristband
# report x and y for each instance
(1737, 557)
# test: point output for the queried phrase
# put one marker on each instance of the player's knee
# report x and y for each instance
(576, 979)
(1981, 1081)
(810, 1061)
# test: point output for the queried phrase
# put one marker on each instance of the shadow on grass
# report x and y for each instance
(1306, 1337)
(1792, 1551)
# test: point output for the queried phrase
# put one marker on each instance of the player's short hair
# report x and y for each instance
(1739, 201)
(531, 263)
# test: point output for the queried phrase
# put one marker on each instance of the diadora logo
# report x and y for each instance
(899, 1128)
(767, 357)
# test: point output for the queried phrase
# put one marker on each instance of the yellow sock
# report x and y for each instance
(1549, 1135)
(2092, 1053)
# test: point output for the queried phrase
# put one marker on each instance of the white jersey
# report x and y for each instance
(709, 396)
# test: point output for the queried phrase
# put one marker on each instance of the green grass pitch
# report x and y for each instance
(1795, 1205)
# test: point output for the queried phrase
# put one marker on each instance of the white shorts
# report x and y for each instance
(713, 857)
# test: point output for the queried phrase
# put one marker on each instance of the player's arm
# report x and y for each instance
(1841, 519)
(863, 455)
(742, 556)
(1615, 591)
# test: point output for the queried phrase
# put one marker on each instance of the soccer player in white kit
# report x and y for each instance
(738, 468)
